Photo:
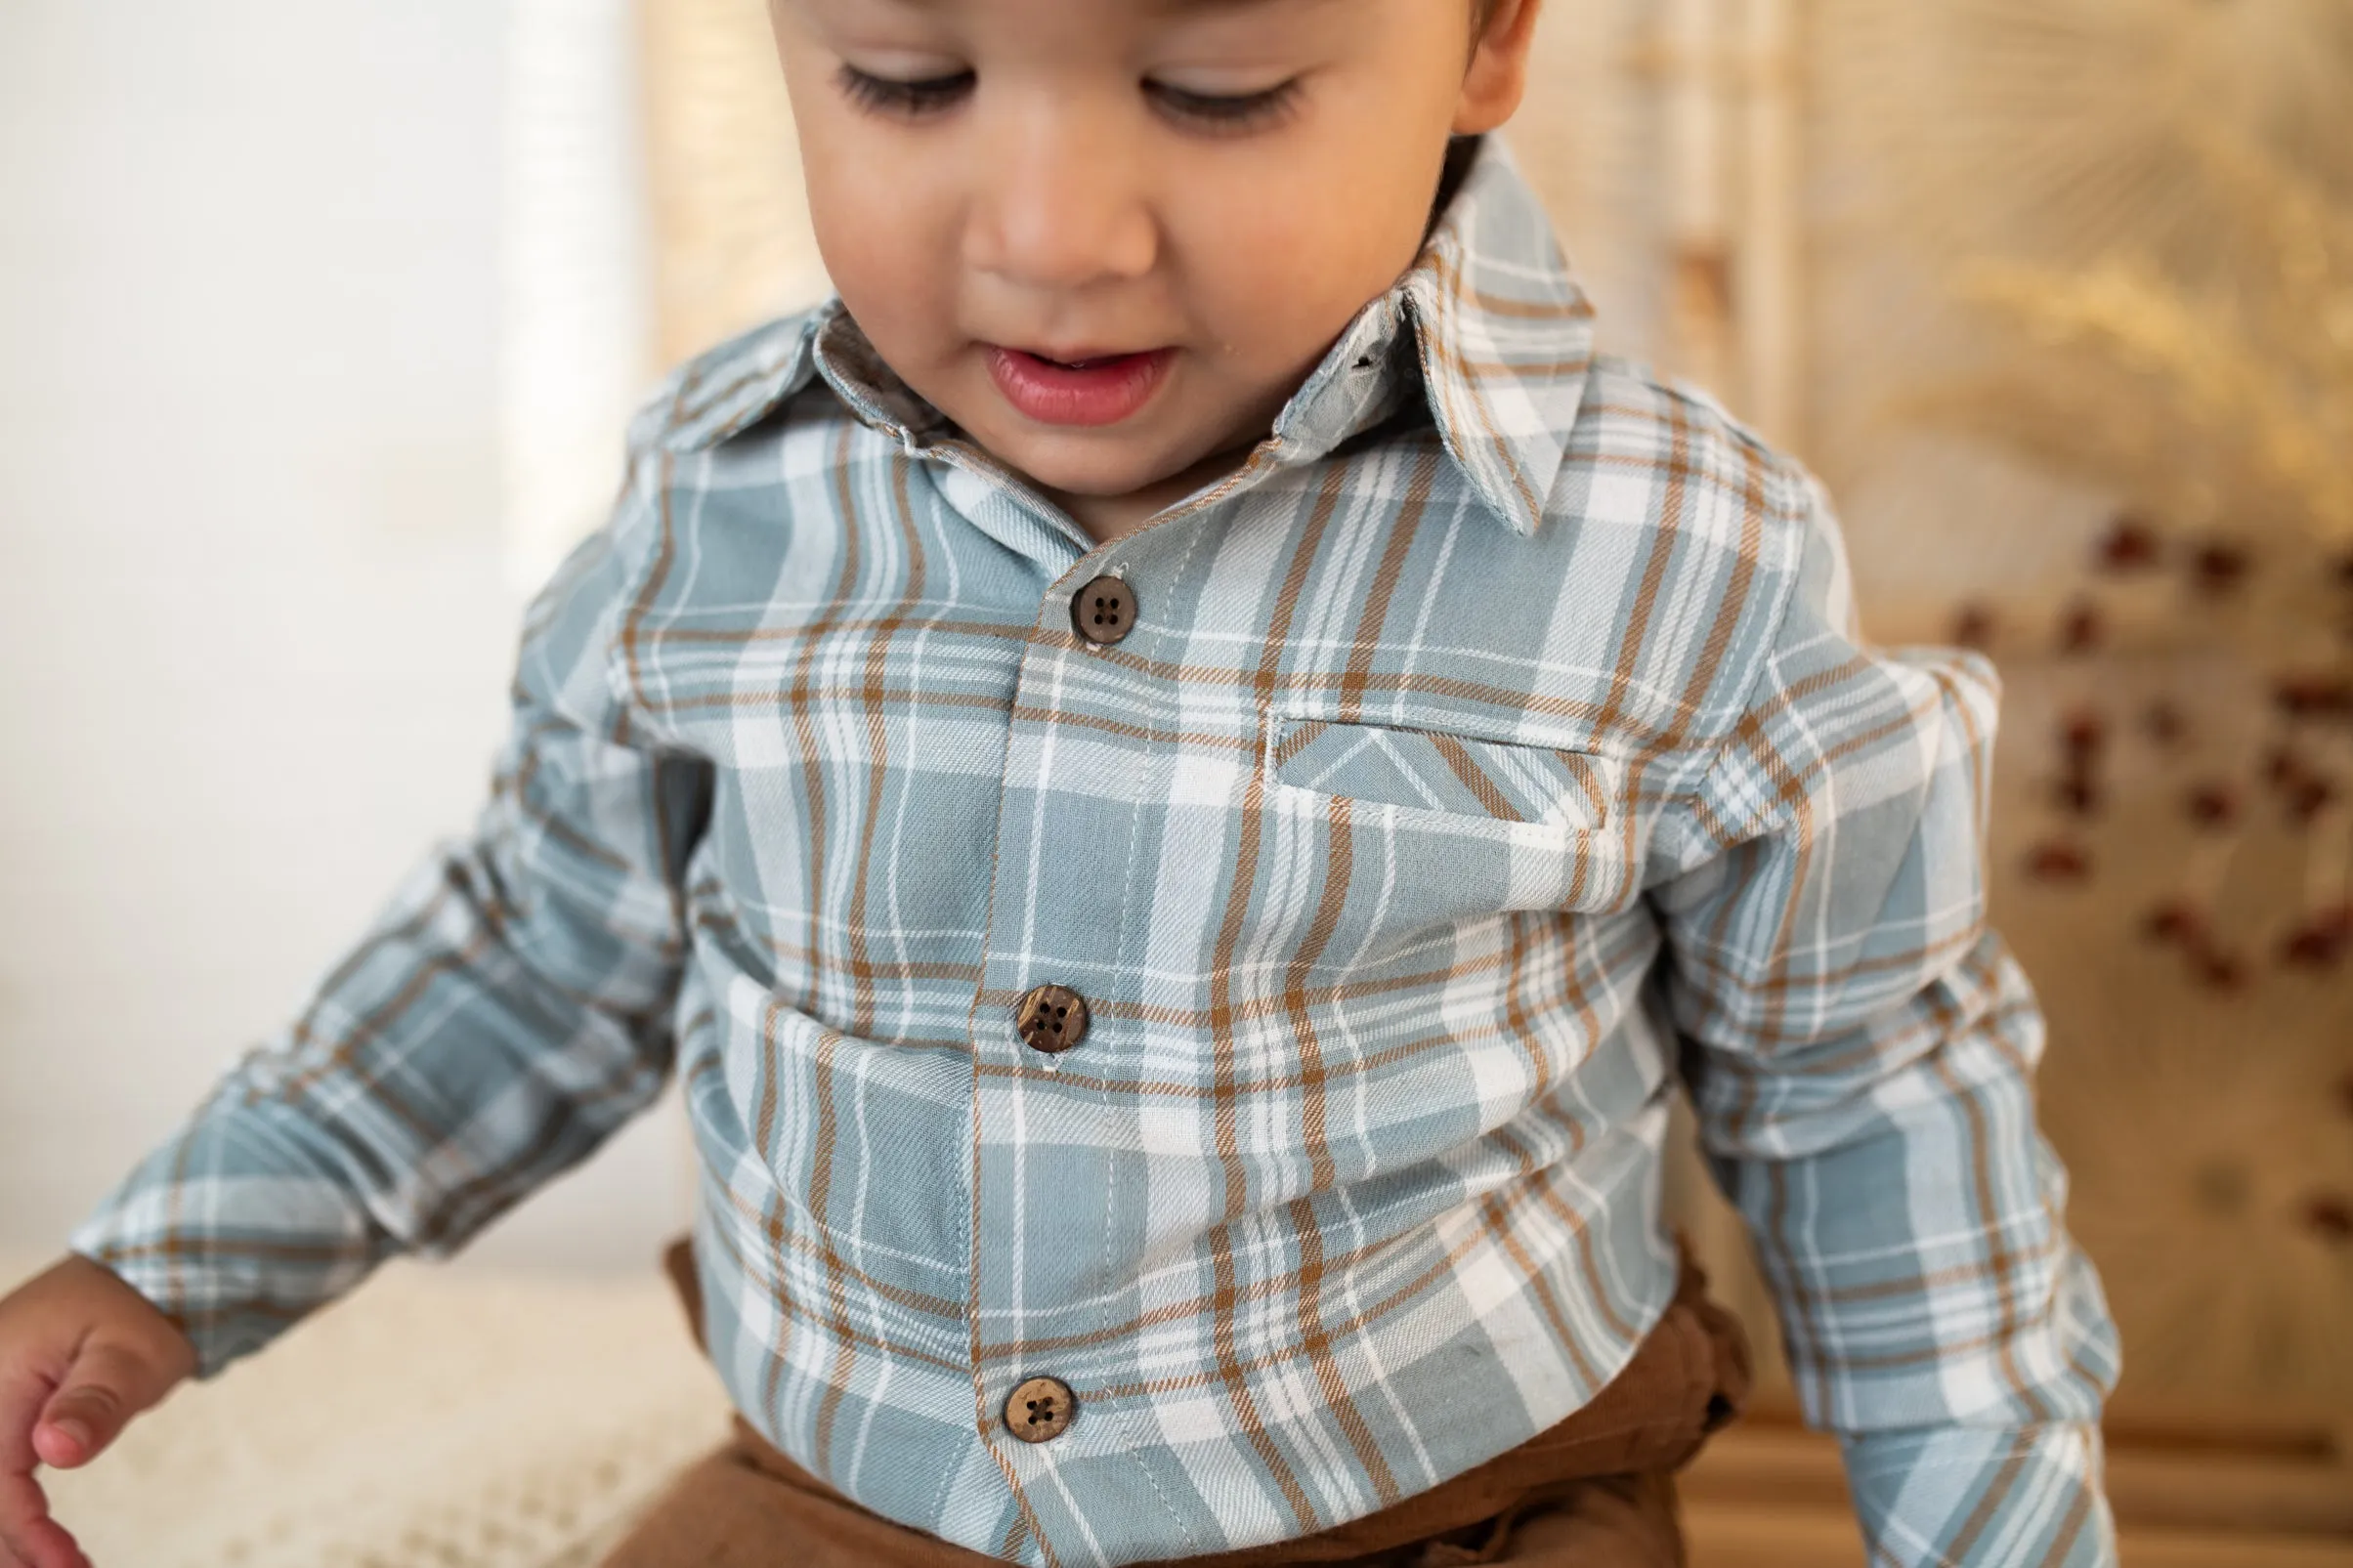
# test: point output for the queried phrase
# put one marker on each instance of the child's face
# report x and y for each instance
(1228, 180)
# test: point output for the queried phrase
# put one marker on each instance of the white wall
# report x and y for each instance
(254, 634)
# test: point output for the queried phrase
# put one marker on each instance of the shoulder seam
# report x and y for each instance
(634, 570)
(696, 392)
(1794, 508)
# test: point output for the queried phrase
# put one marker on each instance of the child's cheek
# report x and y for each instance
(891, 253)
(1278, 271)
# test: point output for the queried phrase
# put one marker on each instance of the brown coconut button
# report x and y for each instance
(1051, 1019)
(1104, 610)
(1039, 1410)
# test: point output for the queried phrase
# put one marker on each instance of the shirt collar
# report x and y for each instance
(1499, 345)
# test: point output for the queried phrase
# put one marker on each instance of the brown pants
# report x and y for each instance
(1595, 1491)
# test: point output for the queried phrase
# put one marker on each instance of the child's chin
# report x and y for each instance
(1101, 463)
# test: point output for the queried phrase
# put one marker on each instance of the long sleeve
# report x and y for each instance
(509, 1009)
(1861, 1050)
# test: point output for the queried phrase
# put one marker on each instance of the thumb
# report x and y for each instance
(102, 1390)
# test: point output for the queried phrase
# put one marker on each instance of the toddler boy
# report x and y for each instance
(1179, 771)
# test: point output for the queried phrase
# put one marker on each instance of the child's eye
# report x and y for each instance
(884, 95)
(914, 100)
(1242, 112)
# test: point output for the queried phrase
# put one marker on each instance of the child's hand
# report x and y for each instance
(80, 1354)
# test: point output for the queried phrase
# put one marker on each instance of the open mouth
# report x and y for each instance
(1095, 362)
(1095, 389)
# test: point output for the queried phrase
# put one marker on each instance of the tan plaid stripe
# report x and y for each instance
(1491, 746)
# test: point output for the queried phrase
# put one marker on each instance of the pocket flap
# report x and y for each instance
(1431, 771)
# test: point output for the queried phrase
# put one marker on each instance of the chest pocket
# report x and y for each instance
(1425, 770)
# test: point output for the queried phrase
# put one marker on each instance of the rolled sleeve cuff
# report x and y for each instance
(231, 1251)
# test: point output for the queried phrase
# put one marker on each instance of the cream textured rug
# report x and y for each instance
(435, 1417)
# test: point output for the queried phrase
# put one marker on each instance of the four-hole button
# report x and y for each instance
(1104, 610)
(1039, 1410)
(1051, 1018)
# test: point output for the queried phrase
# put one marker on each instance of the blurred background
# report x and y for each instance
(256, 614)
(320, 323)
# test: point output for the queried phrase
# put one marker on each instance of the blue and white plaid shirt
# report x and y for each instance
(1496, 737)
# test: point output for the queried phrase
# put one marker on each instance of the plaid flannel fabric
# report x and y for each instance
(1494, 741)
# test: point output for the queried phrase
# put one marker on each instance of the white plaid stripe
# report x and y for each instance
(1354, 1182)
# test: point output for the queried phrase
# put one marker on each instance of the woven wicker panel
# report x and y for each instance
(2058, 131)
(2210, 1133)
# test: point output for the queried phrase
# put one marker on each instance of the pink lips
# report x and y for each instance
(1095, 392)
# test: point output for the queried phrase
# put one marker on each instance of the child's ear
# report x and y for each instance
(1499, 68)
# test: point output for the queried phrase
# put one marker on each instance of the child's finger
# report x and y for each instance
(21, 1505)
(105, 1388)
(27, 1534)
(28, 1537)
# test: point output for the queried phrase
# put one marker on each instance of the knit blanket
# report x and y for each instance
(436, 1415)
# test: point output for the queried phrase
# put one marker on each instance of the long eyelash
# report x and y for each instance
(1228, 114)
(889, 95)
(883, 94)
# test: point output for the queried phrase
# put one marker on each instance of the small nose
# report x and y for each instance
(1059, 203)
